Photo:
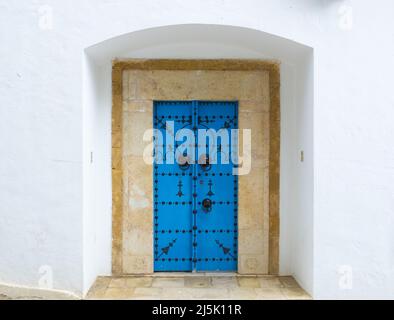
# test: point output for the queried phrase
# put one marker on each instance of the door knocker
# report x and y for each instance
(184, 162)
(207, 205)
(204, 163)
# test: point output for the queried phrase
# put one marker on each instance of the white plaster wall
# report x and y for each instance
(302, 241)
(41, 129)
(41, 152)
(97, 201)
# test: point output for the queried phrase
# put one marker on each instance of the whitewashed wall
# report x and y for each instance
(46, 219)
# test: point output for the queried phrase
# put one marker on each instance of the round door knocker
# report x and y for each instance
(183, 162)
(207, 205)
(204, 163)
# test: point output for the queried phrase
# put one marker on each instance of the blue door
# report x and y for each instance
(195, 200)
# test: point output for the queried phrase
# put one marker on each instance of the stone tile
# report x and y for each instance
(209, 293)
(117, 283)
(254, 85)
(199, 84)
(134, 126)
(116, 124)
(138, 219)
(217, 85)
(144, 282)
(163, 85)
(218, 274)
(198, 282)
(295, 294)
(116, 158)
(258, 123)
(224, 282)
(171, 85)
(174, 274)
(138, 242)
(289, 282)
(116, 249)
(147, 294)
(251, 241)
(170, 282)
(102, 282)
(125, 187)
(138, 106)
(117, 179)
(248, 282)
(140, 189)
(117, 199)
(125, 84)
(131, 84)
(96, 294)
(117, 117)
(266, 216)
(191, 287)
(242, 293)
(146, 86)
(253, 199)
(255, 184)
(251, 214)
(269, 294)
(177, 294)
(119, 293)
(253, 264)
(133, 264)
(274, 262)
(270, 282)
(97, 291)
(116, 139)
(254, 106)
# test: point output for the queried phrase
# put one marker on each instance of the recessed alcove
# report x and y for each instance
(203, 42)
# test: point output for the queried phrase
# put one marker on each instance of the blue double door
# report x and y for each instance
(195, 195)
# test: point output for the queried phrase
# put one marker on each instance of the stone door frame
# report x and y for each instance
(273, 69)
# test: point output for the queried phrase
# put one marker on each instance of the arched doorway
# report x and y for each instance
(220, 42)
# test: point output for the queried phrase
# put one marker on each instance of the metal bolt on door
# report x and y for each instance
(195, 202)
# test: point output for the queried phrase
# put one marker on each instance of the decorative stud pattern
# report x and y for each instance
(197, 221)
(166, 249)
(180, 193)
(210, 193)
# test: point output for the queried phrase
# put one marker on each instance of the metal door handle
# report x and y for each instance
(183, 162)
(207, 205)
(204, 163)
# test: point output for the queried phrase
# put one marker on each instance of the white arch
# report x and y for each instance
(191, 40)
(196, 41)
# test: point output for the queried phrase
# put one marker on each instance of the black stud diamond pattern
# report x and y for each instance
(187, 237)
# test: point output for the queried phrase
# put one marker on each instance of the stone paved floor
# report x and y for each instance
(196, 286)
